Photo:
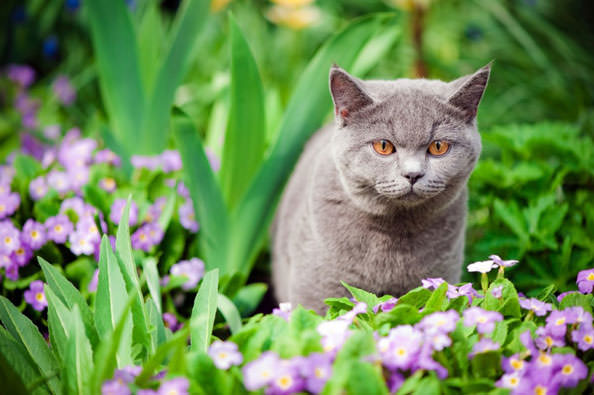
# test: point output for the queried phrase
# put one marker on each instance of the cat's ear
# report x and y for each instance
(468, 91)
(348, 94)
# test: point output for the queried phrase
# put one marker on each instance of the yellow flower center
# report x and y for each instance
(514, 381)
(285, 382)
(8, 240)
(40, 296)
(588, 339)
(58, 228)
(82, 242)
(540, 390)
(222, 355)
(549, 341)
(319, 372)
(265, 374)
(142, 237)
(517, 364)
(590, 277)
(34, 234)
(400, 352)
(544, 359)
(567, 369)
(2, 208)
(560, 321)
(109, 183)
(20, 251)
(440, 323)
(482, 319)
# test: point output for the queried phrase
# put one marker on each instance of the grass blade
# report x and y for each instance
(245, 139)
(203, 312)
(116, 52)
(26, 333)
(79, 357)
(230, 312)
(58, 322)
(70, 296)
(208, 202)
(309, 105)
(190, 19)
(149, 268)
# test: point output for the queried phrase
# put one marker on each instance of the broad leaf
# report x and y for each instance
(203, 312)
(78, 362)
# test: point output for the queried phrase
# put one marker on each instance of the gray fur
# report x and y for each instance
(347, 213)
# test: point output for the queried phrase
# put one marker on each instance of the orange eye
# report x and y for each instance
(438, 147)
(383, 147)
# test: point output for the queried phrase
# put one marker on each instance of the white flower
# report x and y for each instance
(482, 266)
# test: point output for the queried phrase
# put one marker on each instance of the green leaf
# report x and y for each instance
(78, 361)
(437, 301)
(428, 385)
(26, 167)
(577, 299)
(362, 296)
(58, 323)
(17, 369)
(26, 333)
(249, 297)
(401, 314)
(189, 20)
(511, 215)
(203, 312)
(209, 205)
(411, 383)
(486, 364)
(309, 105)
(111, 294)
(212, 380)
(230, 312)
(416, 297)
(149, 368)
(364, 378)
(116, 54)
(246, 131)
(149, 266)
(70, 297)
(158, 335)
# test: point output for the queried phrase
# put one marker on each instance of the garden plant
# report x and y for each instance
(142, 159)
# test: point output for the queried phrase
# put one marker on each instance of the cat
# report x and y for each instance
(379, 200)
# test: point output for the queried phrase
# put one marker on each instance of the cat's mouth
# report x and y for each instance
(404, 192)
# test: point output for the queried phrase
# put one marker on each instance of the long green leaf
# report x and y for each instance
(149, 268)
(125, 260)
(116, 52)
(78, 364)
(111, 294)
(70, 296)
(203, 312)
(309, 105)
(17, 370)
(158, 335)
(245, 139)
(208, 202)
(230, 312)
(58, 316)
(189, 21)
(26, 333)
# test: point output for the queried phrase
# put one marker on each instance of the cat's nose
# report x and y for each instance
(413, 176)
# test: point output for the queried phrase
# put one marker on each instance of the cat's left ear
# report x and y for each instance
(348, 94)
(468, 92)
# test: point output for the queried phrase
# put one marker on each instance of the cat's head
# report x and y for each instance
(405, 142)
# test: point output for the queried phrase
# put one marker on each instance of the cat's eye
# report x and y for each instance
(438, 147)
(383, 147)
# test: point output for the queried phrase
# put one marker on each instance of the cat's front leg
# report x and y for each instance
(310, 286)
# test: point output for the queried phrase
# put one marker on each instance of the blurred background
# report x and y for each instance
(532, 193)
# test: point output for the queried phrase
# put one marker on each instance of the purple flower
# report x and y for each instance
(117, 210)
(4, 188)
(287, 379)
(147, 236)
(187, 217)
(21, 255)
(52, 132)
(526, 340)
(59, 181)
(21, 74)
(484, 345)
(148, 162)
(127, 374)
(107, 156)
(359, 308)
(585, 281)
(171, 322)
(557, 323)
(386, 305)
(108, 184)
(81, 243)
(584, 337)
(224, 354)
(546, 339)
(58, 228)
(78, 176)
(38, 188)
(183, 190)
(33, 234)
(192, 269)
(74, 153)
(64, 90)
(9, 238)
(579, 315)
(571, 370)
(425, 362)
(87, 226)
(513, 364)
(539, 308)
(500, 262)
(316, 368)
(510, 380)
(400, 348)
(483, 319)
(177, 386)
(497, 291)
(9, 203)
(469, 292)
(92, 287)
(395, 382)
(334, 334)
(115, 387)
(35, 296)
(482, 266)
(12, 271)
(283, 310)
(432, 283)
(170, 161)
(154, 211)
(260, 372)
(439, 322)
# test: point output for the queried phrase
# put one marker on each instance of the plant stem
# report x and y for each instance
(418, 19)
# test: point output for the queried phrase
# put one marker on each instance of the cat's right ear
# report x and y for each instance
(347, 93)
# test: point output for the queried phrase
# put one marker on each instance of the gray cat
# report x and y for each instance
(378, 200)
